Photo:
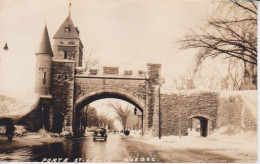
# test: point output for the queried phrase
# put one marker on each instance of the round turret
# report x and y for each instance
(43, 65)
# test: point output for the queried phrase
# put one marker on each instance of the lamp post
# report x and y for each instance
(4, 47)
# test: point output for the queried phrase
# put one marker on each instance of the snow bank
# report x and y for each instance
(242, 142)
(135, 133)
(17, 105)
(235, 132)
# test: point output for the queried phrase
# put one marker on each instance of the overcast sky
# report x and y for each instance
(124, 33)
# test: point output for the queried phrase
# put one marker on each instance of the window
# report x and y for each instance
(44, 78)
(65, 54)
(67, 29)
(59, 77)
(66, 77)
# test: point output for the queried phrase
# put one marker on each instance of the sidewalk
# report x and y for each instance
(19, 142)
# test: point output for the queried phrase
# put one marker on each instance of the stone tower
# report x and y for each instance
(43, 65)
(66, 61)
(67, 44)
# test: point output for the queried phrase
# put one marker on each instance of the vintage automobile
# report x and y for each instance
(100, 134)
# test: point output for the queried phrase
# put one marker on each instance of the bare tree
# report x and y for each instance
(105, 122)
(231, 32)
(102, 120)
(122, 114)
(89, 61)
(110, 123)
(132, 121)
(88, 117)
(233, 80)
(188, 80)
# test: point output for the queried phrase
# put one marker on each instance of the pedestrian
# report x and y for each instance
(9, 129)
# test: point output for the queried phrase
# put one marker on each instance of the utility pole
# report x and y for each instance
(180, 122)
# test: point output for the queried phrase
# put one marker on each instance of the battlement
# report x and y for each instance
(111, 72)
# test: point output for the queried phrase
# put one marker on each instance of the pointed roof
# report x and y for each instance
(45, 44)
(71, 34)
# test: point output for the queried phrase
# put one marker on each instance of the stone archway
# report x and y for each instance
(106, 93)
(203, 123)
(111, 93)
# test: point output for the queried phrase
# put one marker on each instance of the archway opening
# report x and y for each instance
(199, 126)
(57, 124)
(93, 101)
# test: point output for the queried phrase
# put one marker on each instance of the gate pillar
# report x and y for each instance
(153, 99)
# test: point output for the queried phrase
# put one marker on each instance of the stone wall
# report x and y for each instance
(153, 97)
(63, 89)
(233, 110)
(249, 123)
(229, 111)
(176, 108)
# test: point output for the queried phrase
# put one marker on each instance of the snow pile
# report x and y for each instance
(235, 132)
(246, 143)
(135, 133)
(17, 105)
(20, 130)
(193, 132)
(225, 137)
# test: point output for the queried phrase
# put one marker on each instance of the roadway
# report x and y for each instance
(117, 148)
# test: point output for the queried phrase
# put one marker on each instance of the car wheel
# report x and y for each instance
(94, 139)
(105, 139)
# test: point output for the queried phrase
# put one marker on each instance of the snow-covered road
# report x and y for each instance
(121, 148)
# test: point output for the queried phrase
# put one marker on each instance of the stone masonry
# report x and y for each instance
(178, 108)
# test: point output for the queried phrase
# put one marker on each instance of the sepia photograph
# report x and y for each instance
(128, 81)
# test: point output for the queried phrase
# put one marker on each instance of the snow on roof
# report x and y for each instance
(168, 91)
(17, 105)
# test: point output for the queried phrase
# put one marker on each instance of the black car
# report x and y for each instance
(100, 133)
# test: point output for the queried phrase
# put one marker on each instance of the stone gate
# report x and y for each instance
(64, 88)
(77, 91)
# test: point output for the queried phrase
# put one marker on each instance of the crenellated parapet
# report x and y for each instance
(110, 71)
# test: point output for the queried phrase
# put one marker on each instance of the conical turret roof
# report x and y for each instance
(72, 33)
(45, 44)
